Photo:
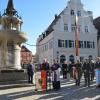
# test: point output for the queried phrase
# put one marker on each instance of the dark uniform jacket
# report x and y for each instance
(64, 67)
(86, 68)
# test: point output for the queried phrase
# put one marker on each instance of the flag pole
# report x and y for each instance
(77, 38)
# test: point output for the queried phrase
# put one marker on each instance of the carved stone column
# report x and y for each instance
(17, 64)
(4, 54)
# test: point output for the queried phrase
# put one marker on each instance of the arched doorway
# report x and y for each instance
(62, 58)
(71, 58)
(90, 57)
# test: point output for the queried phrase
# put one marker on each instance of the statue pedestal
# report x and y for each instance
(11, 76)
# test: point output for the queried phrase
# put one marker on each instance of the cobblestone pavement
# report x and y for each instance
(68, 91)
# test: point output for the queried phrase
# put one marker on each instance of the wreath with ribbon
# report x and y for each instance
(40, 81)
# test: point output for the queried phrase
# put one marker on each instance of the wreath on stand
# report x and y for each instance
(40, 82)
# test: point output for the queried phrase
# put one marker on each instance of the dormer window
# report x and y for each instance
(72, 12)
(79, 13)
(86, 29)
(73, 27)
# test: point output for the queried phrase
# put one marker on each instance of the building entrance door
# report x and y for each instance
(62, 58)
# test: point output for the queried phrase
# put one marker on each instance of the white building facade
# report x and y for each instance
(59, 40)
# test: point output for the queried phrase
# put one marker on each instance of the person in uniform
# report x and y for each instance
(70, 69)
(64, 69)
(87, 70)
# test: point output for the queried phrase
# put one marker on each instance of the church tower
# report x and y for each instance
(11, 38)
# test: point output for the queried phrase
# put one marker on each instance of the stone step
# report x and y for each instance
(15, 84)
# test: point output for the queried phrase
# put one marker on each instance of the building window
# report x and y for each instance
(46, 47)
(72, 12)
(80, 44)
(71, 43)
(86, 29)
(79, 13)
(73, 27)
(79, 27)
(50, 44)
(88, 44)
(61, 43)
(93, 45)
(65, 27)
(66, 43)
(43, 48)
(85, 44)
(62, 58)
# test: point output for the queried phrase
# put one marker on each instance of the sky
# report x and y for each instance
(38, 14)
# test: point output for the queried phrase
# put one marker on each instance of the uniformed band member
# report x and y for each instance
(64, 69)
(87, 70)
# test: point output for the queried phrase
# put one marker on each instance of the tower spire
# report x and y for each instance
(10, 10)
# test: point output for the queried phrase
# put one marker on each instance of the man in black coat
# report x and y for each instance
(87, 70)
(30, 72)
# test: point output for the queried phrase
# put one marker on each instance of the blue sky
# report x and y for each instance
(38, 14)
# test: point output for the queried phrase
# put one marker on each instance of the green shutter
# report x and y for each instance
(66, 43)
(59, 43)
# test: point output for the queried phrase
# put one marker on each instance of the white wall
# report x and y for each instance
(66, 18)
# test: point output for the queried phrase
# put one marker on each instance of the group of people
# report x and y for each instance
(75, 69)
(54, 71)
(46, 67)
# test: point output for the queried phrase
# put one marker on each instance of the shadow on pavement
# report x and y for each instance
(67, 92)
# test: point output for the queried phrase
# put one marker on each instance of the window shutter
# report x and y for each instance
(59, 43)
(66, 43)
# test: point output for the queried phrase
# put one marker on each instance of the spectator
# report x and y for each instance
(30, 72)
